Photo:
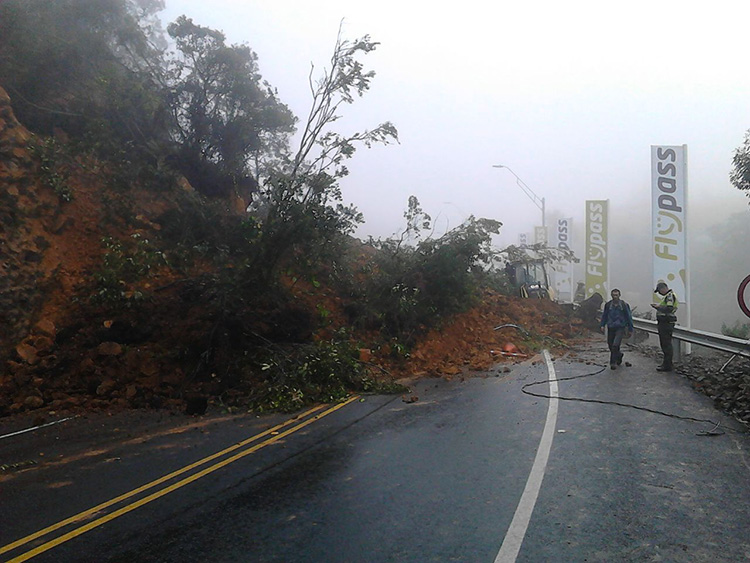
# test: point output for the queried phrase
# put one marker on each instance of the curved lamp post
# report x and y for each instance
(539, 202)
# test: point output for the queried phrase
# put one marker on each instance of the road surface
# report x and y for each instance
(625, 465)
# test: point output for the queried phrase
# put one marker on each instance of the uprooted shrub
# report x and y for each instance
(413, 287)
(325, 372)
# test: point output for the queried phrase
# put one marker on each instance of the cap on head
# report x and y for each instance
(661, 285)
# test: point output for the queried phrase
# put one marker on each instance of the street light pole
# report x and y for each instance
(538, 201)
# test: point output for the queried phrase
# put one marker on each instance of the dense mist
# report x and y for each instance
(718, 253)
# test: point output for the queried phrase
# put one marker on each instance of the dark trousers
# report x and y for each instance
(665, 341)
(614, 339)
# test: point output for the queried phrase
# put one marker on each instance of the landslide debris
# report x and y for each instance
(64, 350)
(723, 378)
(92, 315)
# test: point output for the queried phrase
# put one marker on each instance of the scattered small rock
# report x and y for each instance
(109, 349)
(33, 402)
(47, 328)
(27, 353)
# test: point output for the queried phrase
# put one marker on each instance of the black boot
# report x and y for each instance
(664, 367)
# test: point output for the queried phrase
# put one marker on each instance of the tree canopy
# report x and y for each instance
(100, 70)
(223, 114)
(740, 174)
(81, 64)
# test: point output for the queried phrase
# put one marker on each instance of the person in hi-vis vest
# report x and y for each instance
(666, 318)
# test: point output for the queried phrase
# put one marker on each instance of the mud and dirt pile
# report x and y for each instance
(57, 349)
(21, 250)
(500, 329)
(62, 349)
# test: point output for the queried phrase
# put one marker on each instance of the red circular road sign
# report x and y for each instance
(741, 296)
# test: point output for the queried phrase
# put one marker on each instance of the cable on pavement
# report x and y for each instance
(712, 432)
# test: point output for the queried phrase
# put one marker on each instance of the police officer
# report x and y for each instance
(666, 318)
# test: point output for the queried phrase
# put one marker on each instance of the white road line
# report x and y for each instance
(514, 537)
(36, 427)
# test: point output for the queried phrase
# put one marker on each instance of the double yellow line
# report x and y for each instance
(275, 432)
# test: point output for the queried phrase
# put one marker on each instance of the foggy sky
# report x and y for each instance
(569, 95)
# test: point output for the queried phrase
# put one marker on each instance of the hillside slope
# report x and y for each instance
(76, 333)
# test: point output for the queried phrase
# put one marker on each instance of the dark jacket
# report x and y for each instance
(617, 316)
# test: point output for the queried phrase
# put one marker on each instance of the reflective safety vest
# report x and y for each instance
(667, 307)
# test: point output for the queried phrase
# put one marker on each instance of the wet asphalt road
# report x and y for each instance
(380, 479)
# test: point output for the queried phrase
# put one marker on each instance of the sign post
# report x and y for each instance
(564, 270)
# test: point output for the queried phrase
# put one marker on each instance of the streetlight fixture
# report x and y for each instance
(539, 202)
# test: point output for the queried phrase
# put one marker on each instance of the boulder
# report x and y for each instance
(47, 328)
(27, 353)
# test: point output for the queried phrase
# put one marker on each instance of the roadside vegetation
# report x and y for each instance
(173, 230)
(738, 330)
(212, 239)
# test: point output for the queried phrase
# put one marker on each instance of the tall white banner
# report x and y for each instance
(668, 226)
(597, 251)
(564, 270)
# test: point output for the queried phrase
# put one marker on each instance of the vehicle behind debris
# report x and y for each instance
(531, 278)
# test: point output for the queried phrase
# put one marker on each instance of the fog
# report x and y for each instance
(718, 254)
(570, 96)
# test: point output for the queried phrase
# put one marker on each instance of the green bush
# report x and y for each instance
(413, 287)
(124, 263)
(326, 372)
(739, 330)
(54, 162)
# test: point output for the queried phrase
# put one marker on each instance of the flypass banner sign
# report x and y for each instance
(597, 254)
(564, 270)
(540, 235)
(668, 212)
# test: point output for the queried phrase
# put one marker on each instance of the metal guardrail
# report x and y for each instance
(699, 337)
